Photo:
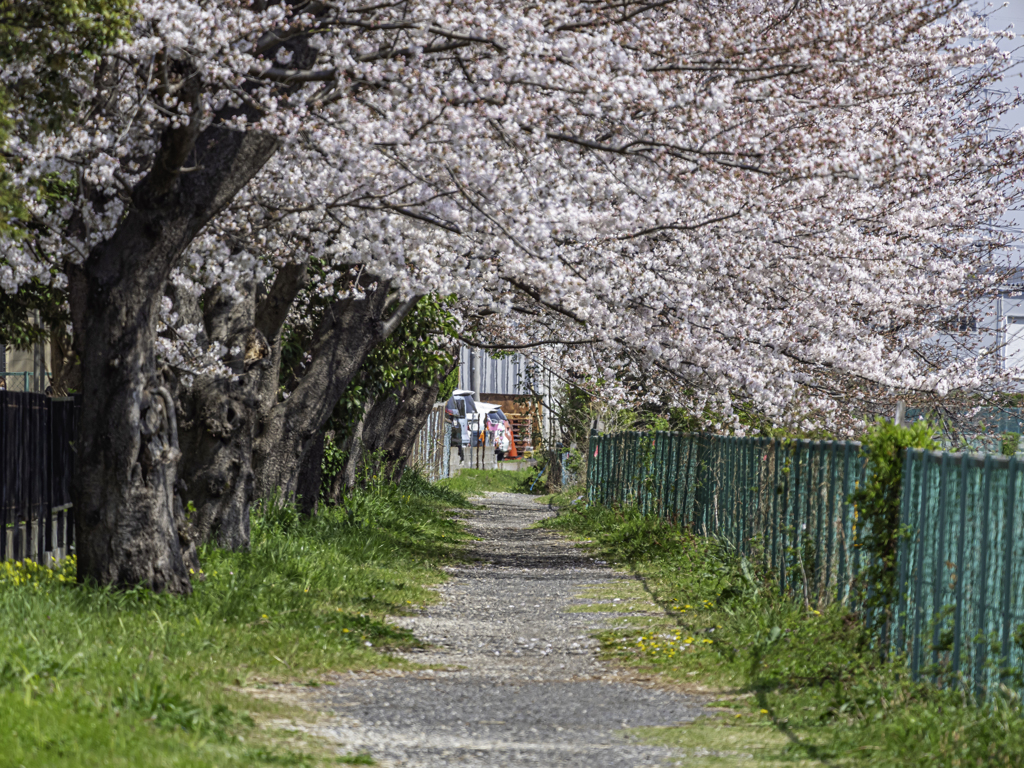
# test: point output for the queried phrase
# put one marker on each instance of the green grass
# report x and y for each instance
(93, 677)
(472, 482)
(800, 687)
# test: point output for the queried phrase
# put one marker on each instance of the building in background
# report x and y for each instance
(516, 382)
(25, 370)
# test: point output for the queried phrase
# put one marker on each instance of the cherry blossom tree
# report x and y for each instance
(763, 200)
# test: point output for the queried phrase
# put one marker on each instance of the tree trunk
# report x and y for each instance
(128, 527)
(290, 429)
(385, 435)
(406, 425)
(66, 372)
(378, 415)
(218, 413)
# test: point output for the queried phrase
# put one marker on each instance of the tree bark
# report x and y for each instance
(218, 414)
(382, 440)
(292, 428)
(346, 479)
(406, 425)
(128, 527)
(367, 437)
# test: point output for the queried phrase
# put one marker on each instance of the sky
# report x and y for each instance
(1002, 15)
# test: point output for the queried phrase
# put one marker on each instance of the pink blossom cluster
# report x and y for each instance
(749, 201)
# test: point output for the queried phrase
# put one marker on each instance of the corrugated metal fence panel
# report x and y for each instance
(782, 501)
(36, 465)
(431, 452)
(959, 617)
(961, 612)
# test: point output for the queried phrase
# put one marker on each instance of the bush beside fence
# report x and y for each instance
(960, 612)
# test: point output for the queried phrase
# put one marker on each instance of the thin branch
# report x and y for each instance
(478, 345)
(392, 323)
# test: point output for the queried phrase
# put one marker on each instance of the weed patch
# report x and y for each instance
(472, 482)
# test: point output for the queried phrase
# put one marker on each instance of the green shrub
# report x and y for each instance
(877, 505)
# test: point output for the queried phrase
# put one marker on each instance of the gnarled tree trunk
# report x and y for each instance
(367, 436)
(382, 440)
(124, 488)
(219, 414)
(291, 431)
(406, 425)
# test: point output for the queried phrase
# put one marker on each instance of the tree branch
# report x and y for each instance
(478, 345)
(392, 323)
(273, 308)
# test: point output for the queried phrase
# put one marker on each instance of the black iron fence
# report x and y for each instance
(37, 433)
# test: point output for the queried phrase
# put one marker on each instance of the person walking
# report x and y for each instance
(501, 442)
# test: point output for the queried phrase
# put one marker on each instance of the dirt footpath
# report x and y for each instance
(516, 681)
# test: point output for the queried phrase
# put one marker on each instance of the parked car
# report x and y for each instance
(493, 415)
(459, 407)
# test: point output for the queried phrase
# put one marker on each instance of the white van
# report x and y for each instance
(461, 407)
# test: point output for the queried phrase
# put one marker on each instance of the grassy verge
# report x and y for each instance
(800, 686)
(471, 482)
(92, 677)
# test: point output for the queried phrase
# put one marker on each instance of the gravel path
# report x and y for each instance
(516, 679)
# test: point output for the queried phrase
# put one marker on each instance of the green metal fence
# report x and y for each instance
(782, 501)
(17, 382)
(960, 612)
(961, 577)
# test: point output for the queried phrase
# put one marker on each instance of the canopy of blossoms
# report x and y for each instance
(728, 199)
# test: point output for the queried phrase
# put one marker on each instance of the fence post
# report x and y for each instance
(657, 472)
(844, 511)
(798, 447)
(602, 472)
(981, 648)
(776, 492)
(671, 477)
(830, 546)
(744, 495)
(783, 524)
(899, 635)
(961, 540)
(940, 558)
(819, 518)
(1009, 509)
(915, 659)
(684, 488)
(591, 464)
(726, 491)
